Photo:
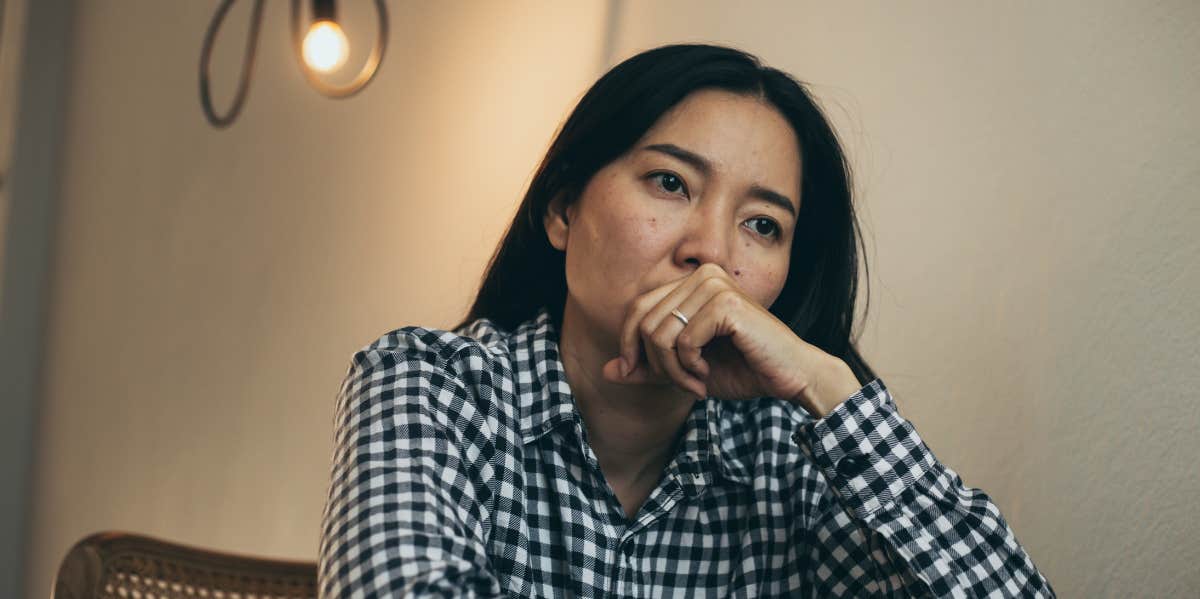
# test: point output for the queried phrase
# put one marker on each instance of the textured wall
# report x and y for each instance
(211, 286)
(1029, 177)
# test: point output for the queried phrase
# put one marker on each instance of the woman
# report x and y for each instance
(656, 392)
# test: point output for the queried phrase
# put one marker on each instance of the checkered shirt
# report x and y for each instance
(462, 469)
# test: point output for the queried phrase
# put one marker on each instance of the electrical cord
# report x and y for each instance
(217, 120)
(365, 75)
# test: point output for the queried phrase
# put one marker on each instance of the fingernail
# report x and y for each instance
(624, 368)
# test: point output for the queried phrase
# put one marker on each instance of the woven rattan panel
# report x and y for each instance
(141, 577)
(116, 565)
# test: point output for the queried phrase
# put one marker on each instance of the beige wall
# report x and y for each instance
(211, 286)
(12, 34)
(1028, 178)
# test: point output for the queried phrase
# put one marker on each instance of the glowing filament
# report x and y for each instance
(325, 46)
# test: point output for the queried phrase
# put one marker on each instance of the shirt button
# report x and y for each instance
(852, 465)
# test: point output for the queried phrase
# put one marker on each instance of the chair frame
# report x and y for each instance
(167, 569)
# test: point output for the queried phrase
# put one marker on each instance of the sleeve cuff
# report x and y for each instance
(867, 451)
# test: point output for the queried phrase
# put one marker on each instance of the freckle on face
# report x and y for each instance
(737, 273)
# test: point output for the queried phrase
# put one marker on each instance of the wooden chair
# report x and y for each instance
(124, 565)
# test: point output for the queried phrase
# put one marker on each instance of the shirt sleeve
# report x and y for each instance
(401, 519)
(898, 523)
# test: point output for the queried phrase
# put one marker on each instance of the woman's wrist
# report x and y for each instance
(829, 389)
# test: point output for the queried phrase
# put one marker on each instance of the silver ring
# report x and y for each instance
(677, 314)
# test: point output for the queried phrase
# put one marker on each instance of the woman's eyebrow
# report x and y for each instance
(702, 164)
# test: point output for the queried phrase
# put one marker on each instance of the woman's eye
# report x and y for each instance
(765, 227)
(669, 182)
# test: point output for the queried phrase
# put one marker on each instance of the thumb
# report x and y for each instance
(612, 373)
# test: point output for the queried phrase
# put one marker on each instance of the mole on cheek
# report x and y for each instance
(737, 272)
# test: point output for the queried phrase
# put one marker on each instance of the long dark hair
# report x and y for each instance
(526, 273)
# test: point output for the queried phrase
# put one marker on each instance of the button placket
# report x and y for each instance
(623, 569)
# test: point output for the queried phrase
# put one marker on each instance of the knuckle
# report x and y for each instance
(661, 340)
(646, 329)
(713, 285)
(684, 340)
(642, 304)
(729, 298)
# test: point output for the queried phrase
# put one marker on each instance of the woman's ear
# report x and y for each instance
(556, 222)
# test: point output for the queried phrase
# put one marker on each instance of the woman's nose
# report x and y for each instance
(706, 238)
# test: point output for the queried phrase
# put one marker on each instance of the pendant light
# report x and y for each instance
(319, 45)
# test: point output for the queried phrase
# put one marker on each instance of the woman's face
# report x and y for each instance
(716, 179)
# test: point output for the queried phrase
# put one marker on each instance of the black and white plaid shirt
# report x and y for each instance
(462, 468)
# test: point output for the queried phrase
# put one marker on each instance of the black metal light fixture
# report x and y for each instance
(320, 48)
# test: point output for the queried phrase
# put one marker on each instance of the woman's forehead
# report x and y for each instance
(739, 135)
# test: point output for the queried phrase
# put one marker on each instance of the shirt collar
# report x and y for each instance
(708, 443)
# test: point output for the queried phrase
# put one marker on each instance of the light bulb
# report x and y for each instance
(325, 46)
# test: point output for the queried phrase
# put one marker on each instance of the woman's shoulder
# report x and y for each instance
(473, 346)
(460, 378)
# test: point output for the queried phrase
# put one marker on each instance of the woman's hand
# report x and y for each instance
(731, 348)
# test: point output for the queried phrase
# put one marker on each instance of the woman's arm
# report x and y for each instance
(402, 518)
(896, 522)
